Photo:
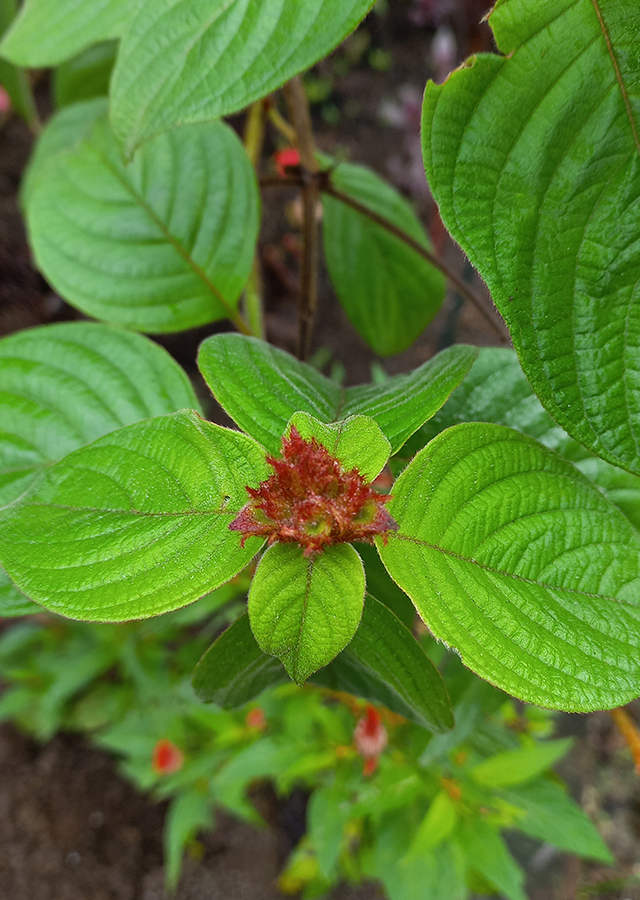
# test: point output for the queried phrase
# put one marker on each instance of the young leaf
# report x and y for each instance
(532, 158)
(135, 524)
(188, 61)
(356, 442)
(488, 854)
(261, 387)
(47, 32)
(385, 664)
(436, 826)
(305, 610)
(496, 390)
(388, 291)
(516, 560)
(62, 386)
(519, 766)
(163, 244)
(85, 76)
(553, 816)
(234, 670)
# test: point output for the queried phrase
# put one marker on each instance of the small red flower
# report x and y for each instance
(166, 757)
(370, 737)
(285, 159)
(312, 500)
(256, 718)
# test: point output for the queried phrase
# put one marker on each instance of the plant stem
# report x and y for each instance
(254, 135)
(301, 117)
(281, 125)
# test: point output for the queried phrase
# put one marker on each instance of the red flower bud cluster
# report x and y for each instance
(312, 500)
(370, 737)
(166, 757)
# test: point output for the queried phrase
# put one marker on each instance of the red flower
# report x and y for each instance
(256, 718)
(285, 159)
(370, 737)
(312, 500)
(166, 757)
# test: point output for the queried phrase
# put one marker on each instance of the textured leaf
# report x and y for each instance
(62, 386)
(496, 390)
(385, 664)
(356, 442)
(135, 524)
(188, 61)
(261, 387)
(533, 159)
(234, 670)
(516, 560)
(553, 816)
(163, 244)
(47, 32)
(388, 291)
(306, 610)
(519, 766)
(86, 76)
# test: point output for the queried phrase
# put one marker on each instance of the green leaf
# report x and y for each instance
(553, 816)
(234, 670)
(436, 826)
(487, 853)
(62, 386)
(135, 524)
(185, 61)
(327, 816)
(496, 390)
(356, 442)
(389, 292)
(384, 588)
(306, 610)
(85, 76)
(519, 766)
(13, 78)
(12, 602)
(163, 244)
(261, 387)
(47, 32)
(188, 814)
(532, 158)
(516, 560)
(385, 664)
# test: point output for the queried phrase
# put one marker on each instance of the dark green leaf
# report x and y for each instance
(85, 76)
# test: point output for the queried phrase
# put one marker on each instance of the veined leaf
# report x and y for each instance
(496, 390)
(163, 244)
(534, 160)
(388, 291)
(135, 524)
(188, 61)
(47, 32)
(261, 387)
(356, 442)
(306, 610)
(516, 560)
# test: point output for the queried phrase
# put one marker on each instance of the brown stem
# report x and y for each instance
(301, 117)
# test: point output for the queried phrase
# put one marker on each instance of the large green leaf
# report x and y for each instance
(496, 390)
(47, 32)
(261, 387)
(62, 386)
(137, 523)
(305, 610)
(534, 160)
(163, 244)
(388, 291)
(516, 560)
(189, 61)
(356, 441)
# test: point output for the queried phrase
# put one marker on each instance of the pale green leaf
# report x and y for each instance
(356, 442)
(163, 244)
(137, 523)
(437, 825)
(519, 766)
(389, 292)
(47, 32)
(534, 160)
(86, 76)
(306, 610)
(261, 387)
(516, 560)
(188, 61)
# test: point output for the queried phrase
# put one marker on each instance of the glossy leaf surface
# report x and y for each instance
(163, 244)
(518, 562)
(534, 160)
(389, 292)
(135, 524)
(188, 61)
(305, 610)
(261, 387)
